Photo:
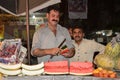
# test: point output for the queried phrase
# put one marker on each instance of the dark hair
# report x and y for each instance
(54, 7)
(78, 27)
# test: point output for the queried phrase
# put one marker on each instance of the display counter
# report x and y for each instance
(57, 77)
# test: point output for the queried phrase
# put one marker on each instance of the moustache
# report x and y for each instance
(55, 20)
(77, 36)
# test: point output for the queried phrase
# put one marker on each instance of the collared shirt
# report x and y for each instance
(85, 51)
(44, 38)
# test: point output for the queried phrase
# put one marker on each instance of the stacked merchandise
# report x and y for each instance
(11, 51)
(21, 69)
(31, 70)
(12, 54)
(56, 67)
(110, 59)
(74, 68)
(10, 69)
(81, 68)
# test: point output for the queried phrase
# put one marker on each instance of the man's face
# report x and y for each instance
(53, 17)
(78, 34)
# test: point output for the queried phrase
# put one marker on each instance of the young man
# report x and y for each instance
(47, 39)
(84, 48)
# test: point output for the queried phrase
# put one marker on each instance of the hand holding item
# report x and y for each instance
(59, 51)
(64, 50)
(55, 51)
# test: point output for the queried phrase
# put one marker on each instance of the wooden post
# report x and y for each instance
(27, 28)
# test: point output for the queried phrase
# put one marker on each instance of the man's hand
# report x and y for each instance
(54, 51)
(43, 52)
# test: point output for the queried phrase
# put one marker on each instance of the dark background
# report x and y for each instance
(102, 14)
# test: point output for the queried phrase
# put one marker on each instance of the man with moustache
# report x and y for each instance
(84, 48)
(47, 39)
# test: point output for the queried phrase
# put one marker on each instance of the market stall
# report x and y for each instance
(20, 71)
(13, 68)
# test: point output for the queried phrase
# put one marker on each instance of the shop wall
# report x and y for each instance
(18, 31)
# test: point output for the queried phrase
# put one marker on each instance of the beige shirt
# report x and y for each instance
(85, 51)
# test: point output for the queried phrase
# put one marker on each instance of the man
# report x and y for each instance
(84, 48)
(47, 39)
(70, 31)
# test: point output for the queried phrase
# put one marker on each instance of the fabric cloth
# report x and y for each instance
(44, 38)
(85, 51)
